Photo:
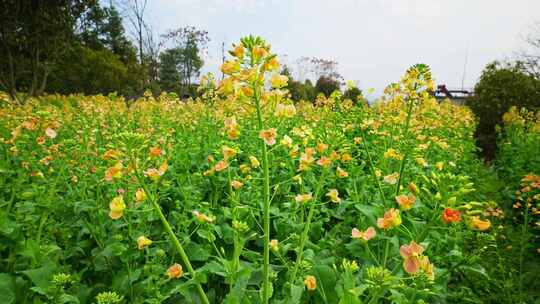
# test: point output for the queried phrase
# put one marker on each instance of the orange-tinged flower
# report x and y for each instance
(413, 188)
(175, 271)
(111, 154)
(346, 157)
(233, 133)
(230, 67)
(155, 151)
(390, 219)
(228, 152)
(143, 242)
(269, 136)
(391, 179)
(114, 172)
(221, 165)
(412, 257)
(154, 173)
(231, 127)
(303, 198)
(140, 195)
(333, 194)
(236, 184)
(117, 207)
(366, 235)
(272, 64)
(278, 81)
(238, 51)
(258, 52)
(247, 91)
(405, 202)
(451, 216)
(310, 282)
(477, 224)
(40, 140)
(341, 173)
(324, 161)
(51, 133)
(321, 147)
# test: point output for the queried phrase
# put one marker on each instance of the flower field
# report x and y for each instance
(243, 196)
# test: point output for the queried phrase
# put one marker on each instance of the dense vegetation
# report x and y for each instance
(242, 196)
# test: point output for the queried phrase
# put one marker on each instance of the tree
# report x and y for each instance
(169, 74)
(33, 36)
(188, 42)
(91, 71)
(115, 36)
(531, 57)
(135, 11)
(327, 85)
(499, 88)
(352, 93)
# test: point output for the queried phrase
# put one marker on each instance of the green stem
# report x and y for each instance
(524, 241)
(371, 166)
(266, 201)
(405, 132)
(306, 230)
(173, 238)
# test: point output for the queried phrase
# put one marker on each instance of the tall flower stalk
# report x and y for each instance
(172, 236)
(252, 60)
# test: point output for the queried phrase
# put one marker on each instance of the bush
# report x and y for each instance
(500, 87)
(327, 85)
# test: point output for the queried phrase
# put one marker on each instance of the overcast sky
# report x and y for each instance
(374, 41)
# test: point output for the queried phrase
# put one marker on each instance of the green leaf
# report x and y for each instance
(326, 282)
(236, 295)
(7, 289)
(42, 277)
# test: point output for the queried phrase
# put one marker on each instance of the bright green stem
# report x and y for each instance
(371, 166)
(180, 250)
(405, 133)
(524, 241)
(175, 241)
(266, 203)
(306, 231)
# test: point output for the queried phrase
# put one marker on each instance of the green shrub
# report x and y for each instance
(499, 88)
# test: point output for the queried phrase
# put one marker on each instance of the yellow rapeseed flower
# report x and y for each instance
(310, 282)
(333, 194)
(143, 242)
(117, 207)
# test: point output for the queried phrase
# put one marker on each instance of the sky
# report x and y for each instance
(374, 41)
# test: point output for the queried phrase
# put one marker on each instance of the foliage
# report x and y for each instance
(92, 71)
(326, 85)
(243, 196)
(181, 63)
(33, 35)
(499, 88)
